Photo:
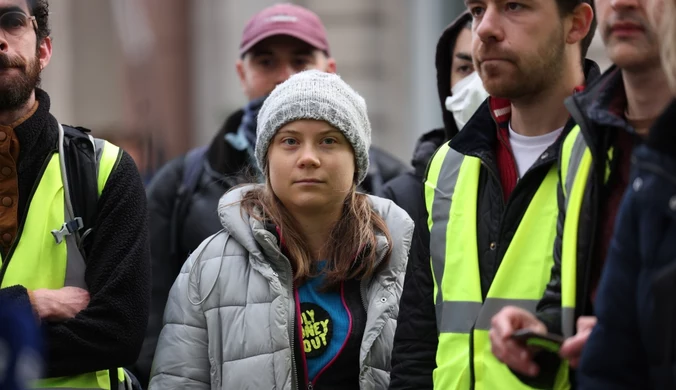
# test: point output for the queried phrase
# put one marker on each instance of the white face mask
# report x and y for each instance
(467, 96)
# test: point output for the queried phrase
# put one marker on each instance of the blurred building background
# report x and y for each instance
(158, 76)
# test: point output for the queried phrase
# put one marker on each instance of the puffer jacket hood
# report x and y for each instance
(240, 226)
(444, 60)
(238, 285)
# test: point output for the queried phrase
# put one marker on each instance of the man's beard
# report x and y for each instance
(534, 72)
(15, 90)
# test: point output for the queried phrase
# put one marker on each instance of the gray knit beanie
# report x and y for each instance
(321, 96)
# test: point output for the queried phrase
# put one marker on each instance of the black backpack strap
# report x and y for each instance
(80, 174)
(193, 164)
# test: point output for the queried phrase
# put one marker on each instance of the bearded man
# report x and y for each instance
(86, 276)
(491, 194)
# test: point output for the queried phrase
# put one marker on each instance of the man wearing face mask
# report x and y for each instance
(466, 96)
(460, 94)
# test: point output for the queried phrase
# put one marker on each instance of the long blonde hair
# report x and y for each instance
(352, 245)
(663, 19)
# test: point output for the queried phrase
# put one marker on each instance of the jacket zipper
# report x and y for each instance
(472, 375)
(496, 177)
(302, 347)
(292, 321)
(292, 317)
(312, 384)
(292, 328)
(505, 207)
(5, 262)
(505, 204)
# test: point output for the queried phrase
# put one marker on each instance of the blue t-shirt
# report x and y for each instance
(325, 324)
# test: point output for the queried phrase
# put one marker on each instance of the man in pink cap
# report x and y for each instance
(277, 43)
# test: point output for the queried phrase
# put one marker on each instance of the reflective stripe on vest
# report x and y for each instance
(91, 381)
(59, 264)
(463, 320)
(576, 166)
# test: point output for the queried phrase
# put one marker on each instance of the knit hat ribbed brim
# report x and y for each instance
(320, 96)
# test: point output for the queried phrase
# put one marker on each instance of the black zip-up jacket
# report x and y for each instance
(414, 354)
(599, 125)
(108, 333)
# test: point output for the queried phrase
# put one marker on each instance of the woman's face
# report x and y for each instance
(311, 166)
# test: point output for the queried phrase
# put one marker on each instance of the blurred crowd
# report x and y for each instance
(530, 243)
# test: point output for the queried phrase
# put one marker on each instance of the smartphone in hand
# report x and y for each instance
(550, 342)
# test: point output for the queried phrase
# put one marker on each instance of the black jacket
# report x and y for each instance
(414, 355)
(224, 168)
(599, 126)
(109, 332)
(591, 110)
(406, 190)
(496, 223)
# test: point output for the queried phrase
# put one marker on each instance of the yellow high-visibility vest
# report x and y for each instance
(576, 165)
(464, 357)
(38, 261)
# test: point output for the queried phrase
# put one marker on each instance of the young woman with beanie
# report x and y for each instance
(301, 287)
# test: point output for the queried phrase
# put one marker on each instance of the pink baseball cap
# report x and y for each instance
(285, 19)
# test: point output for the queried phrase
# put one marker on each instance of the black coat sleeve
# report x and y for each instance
(162, 193)
(416, 338)
(16, 295)
(109, 332)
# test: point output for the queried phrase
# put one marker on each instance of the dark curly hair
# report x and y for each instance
(566, 7)
(40, 9)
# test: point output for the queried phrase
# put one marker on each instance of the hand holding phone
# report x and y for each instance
(550, 342)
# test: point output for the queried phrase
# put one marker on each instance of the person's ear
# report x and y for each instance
(331, 65)
(241, 74)
(45, 52)
(579, 23)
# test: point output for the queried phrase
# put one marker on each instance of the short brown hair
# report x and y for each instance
(566, 7)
